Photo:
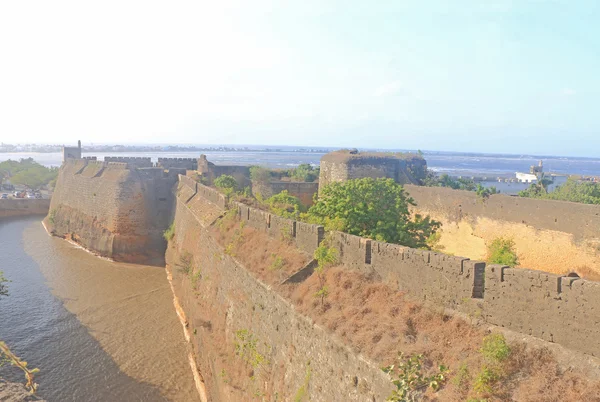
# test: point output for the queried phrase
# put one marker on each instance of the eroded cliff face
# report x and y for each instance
(112, 209)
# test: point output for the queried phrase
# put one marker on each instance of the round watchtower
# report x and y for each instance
(344, 165)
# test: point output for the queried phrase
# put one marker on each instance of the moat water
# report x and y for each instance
(96, 329)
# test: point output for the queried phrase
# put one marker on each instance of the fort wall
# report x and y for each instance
(23, 207)
(551, 307)
(346, 165)
(180, 163)
(291, 343)
(137, 161)
(305, 191)
(553, 236)
(113, 209)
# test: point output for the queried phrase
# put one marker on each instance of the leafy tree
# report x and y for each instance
(502, 251)
(226, 183)
(260, 174)
(305, 172)
(374, 208)
(432, 180)
(284, 204)
(572, 190)
(484, 192)
(27, 172)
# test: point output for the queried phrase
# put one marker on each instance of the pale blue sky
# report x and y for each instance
(488, 76)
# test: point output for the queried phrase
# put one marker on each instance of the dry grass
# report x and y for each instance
(271, 259)
(378, 322)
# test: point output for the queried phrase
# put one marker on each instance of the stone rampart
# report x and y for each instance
(305, 236)
(212, 195)
(347, 165)
(113, 209)
(547, 308)
(181, 163)
(554, 236)
(292, 344)
(305, 191)
(23, 207)
(551, 307)
(137, 161)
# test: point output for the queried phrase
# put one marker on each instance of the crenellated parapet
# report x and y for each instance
(180, 163)
(554, 308)
(140, 162)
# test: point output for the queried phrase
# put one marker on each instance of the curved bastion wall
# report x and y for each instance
(553, 236)
(114, 209)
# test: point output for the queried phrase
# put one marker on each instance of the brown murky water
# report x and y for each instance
(98, 330)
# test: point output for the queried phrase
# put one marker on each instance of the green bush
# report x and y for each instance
(277, 263)
(285, 205)
(374, 208)
(410, 379)
(305, 172)
(572, 190)
(260, 174)
(495, 349)
(502, 251)
(226, 183)
(170, 232)
(28, 173)
(484, 192)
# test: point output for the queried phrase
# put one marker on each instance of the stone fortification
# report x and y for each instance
(23, 207)
(209, 172)
(134, 161)
(179, 163)
(553, 236)
(346, 165)
(555, 308)
(113, 208)
(550, 307)
(293, 344)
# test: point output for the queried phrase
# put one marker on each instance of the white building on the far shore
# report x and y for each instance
(534, 175)
(526, 177)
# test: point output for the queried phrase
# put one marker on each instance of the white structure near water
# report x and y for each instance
(535, 174)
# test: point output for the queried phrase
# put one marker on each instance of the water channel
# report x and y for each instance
(97, 330)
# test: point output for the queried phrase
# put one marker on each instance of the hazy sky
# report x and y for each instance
(516, 76)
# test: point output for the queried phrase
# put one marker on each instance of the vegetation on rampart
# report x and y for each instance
(226, 184)
(373, 208)
(302, 173)
(285, 205)
(572, 190)
(376, 321)
(27, 172)
(170, 232)
(502, 251)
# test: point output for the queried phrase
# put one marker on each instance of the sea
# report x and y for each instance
(491, 170)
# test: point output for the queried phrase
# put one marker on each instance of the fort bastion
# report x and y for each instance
(120, 209)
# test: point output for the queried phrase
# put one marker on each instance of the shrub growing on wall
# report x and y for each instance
(284, 204)
(374, 208)
(226, 183)
(502, 251)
